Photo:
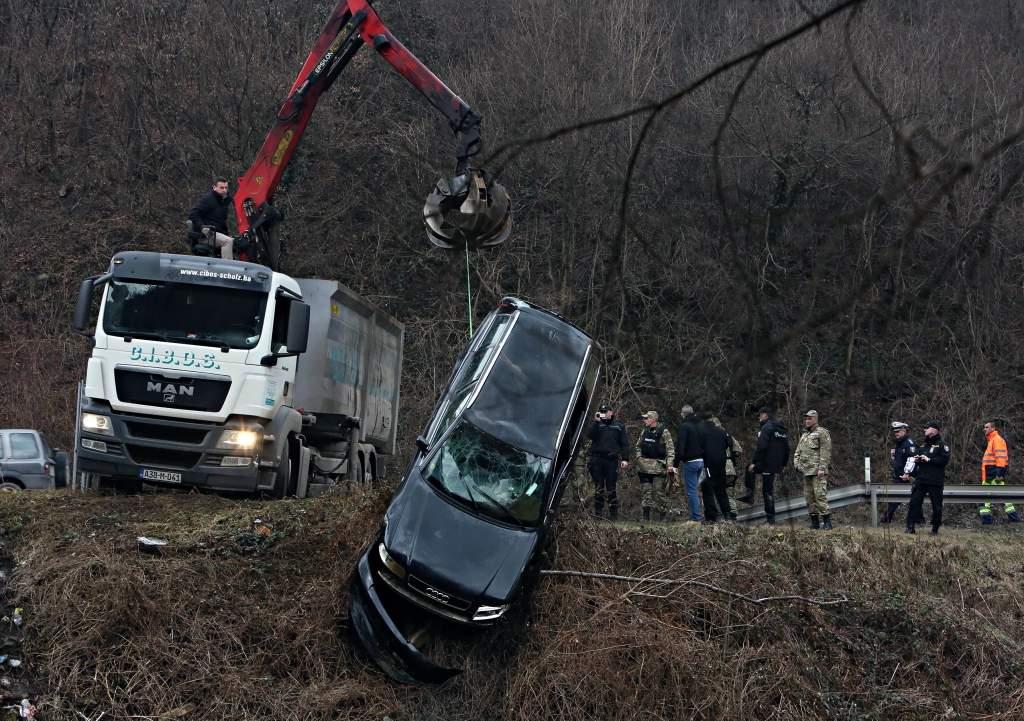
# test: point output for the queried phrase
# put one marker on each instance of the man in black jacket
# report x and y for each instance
(717, 445)
(902, 461)
(770, 456)
(609, 447)
(929, 476)
(209, 217)
(690, 457)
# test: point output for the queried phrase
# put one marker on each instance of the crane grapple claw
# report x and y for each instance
(467, 211)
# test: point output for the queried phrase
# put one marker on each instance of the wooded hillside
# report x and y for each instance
(832, 223)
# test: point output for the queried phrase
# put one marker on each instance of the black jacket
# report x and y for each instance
(901, 452)
(211, 210)
(716, 445)
(932, 473)
(689, 441)
(772, 452)
(608, 439)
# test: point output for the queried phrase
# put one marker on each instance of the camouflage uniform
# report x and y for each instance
(814, 454)
(653, 494)
(731, 461)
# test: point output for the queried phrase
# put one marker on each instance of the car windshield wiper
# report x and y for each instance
(471, 499)
(499, 505)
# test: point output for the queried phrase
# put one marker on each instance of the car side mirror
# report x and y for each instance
(422, 444)
(298, 327)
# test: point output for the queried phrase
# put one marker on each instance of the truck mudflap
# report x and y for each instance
(382, 639)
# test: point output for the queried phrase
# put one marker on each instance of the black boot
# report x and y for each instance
(661, 516)
(910, 529)
(814, 521)
(613, 513)
(826, 522)
(647, 514)
(598, 511)
(769, 509)
(935, 530)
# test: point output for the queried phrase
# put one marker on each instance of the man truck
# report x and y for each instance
(229, 376)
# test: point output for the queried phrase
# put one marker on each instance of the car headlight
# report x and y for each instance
(489, 613)
(94, 423)
(390, 563)
(240, 440)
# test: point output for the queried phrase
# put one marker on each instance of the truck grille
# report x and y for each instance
(146, 456)
(154, 389)
(437, 595)
(175, 434)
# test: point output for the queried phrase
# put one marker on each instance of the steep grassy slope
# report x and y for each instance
(232, 624)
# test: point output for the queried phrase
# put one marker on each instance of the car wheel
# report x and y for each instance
(9, 487)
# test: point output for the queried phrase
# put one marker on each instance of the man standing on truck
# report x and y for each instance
(609, 448)
(654, 455)
(994, 465)
(209, 218)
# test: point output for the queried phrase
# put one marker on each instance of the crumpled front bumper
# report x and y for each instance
(380, 636)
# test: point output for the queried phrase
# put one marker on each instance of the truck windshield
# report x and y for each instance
(185, 313)
(497, 479)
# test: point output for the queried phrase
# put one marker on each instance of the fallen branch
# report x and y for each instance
(700, 584)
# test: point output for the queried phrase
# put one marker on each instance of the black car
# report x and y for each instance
(477, 502)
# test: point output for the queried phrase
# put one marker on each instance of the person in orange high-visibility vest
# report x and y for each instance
(994, 465)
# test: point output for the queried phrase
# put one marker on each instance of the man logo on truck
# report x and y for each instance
(170, 390)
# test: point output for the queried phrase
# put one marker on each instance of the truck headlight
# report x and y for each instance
(489, 613)
(94, 423)
(240, 440)
(390, 563)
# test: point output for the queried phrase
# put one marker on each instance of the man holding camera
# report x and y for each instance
(609, 447)
(929, 476)
(654, 455)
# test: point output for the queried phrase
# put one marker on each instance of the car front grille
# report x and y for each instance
(437, 595)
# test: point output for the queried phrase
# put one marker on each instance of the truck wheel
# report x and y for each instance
(285, 480)
(9, 487)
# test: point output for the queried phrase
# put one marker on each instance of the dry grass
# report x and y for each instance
(229, 624)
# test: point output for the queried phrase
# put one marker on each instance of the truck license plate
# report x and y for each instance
(148, 474)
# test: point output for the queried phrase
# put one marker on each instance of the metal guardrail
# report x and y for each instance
(875, 493)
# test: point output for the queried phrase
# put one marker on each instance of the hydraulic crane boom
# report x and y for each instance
(464, 210)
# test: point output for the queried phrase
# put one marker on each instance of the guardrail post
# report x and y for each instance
(870, 490)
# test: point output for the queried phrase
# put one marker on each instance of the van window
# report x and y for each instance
(23, 446)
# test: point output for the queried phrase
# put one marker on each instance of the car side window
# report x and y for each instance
(23, 446)
(3, 446)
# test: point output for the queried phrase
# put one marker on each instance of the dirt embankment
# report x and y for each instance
(236, 620)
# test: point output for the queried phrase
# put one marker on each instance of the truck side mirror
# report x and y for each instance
(298, 327)
(80, 321)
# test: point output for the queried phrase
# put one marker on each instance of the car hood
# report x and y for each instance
(449, 547)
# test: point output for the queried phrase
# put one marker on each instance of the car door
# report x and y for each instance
(25, 459)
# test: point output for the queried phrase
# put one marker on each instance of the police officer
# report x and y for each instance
(902, 461)
(771, 454)
(929, 476)
(609, 447)
(812, 458)
(655, 452)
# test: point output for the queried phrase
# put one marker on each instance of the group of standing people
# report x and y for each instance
(706, 459)
(924, 465)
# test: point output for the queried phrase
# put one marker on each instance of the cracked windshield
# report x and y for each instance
(499, 480)
(197, 314)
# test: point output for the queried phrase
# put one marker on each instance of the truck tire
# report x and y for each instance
(286, 481)
(9, 487)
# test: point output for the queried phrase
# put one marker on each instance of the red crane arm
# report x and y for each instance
(353, 23)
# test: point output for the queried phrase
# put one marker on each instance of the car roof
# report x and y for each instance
(19, 430)
(528, 391)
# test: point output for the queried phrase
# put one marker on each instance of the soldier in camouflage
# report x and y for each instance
(654, 453)
(812, 459)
